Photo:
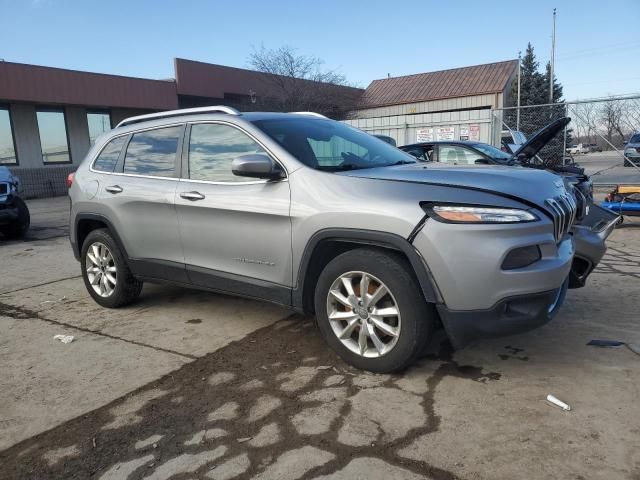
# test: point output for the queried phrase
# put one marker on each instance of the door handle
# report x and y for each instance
(193, 196)
(114, 189)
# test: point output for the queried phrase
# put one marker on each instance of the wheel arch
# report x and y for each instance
(85, 223)
(326, 244)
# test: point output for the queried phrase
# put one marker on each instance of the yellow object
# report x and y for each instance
(628, 188)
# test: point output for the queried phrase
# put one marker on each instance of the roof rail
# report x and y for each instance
(176, 113)
(312, 114)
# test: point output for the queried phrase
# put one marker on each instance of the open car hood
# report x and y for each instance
(530, 148)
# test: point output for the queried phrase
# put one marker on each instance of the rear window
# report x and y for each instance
(153, 152)
(106, 161)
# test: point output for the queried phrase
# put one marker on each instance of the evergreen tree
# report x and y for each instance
(532, 85)
(534, 90)
(557, 87)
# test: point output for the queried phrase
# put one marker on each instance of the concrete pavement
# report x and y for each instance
(195, 385)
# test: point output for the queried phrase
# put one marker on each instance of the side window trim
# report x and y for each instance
(184, 176)
(119, 170)
(120, 155)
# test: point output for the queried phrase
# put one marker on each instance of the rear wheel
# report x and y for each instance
(371, 311)
(105, 272)
(19, 228)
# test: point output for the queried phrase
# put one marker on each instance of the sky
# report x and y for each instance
(597, 42)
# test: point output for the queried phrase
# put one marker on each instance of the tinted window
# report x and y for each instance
(212, 148)
(53, 137)
(422, 154)
(635, 139)
(7, 149)
(457, 155)
(108, 157)
(329, 145)
(153, 152)
(98, 123)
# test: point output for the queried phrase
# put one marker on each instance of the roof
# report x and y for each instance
(33, 83)
(456, 82)
(214, 81)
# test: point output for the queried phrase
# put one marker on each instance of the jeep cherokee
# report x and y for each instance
(316, 215)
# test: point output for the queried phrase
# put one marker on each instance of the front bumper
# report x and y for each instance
(8, 212)
(589, 240)
(466, 261)
(481, 299)
(509, 316)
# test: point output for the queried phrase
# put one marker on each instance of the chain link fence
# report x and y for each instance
(597, 136)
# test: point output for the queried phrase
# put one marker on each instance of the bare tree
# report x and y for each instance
(612, 114)
(299, 82)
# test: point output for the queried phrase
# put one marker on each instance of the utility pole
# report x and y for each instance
(518, 109)
(553, 55)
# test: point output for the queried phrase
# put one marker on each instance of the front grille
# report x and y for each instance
(564, 210)
(4, 188)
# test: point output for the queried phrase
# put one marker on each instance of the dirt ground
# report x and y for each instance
(190, 385)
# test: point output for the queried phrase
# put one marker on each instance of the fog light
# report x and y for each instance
(521, 257)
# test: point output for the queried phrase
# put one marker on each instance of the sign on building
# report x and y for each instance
(445, 133)
(474, 133)
(424, 135)
(464, 132)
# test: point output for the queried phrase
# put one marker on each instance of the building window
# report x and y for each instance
(7, 147)
(153, 152)
(53, 136)
(99, 123)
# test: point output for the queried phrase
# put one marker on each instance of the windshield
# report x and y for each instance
(635, 138)
(493, 152)
(331, 146)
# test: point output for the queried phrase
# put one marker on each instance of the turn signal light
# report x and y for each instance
(70, 180)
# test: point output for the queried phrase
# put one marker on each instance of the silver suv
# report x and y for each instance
(313, 214)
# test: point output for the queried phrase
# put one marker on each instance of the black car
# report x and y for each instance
(14, 214)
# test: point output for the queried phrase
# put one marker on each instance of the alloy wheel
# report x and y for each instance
(363, 314)
(101, 269)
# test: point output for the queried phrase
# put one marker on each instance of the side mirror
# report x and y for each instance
(256, 166)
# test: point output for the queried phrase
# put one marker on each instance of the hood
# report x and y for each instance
(533, 186)
(531, 147)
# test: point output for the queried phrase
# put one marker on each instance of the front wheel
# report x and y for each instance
(371, 312)
(19, 228)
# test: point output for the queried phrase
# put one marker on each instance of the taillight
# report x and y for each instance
(70, 180)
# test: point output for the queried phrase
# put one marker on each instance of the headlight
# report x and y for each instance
(629, 151)
(467, 214)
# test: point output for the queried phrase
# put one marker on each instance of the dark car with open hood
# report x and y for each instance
(14, 213)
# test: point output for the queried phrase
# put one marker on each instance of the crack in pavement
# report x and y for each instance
(40, 284)
(21, 313)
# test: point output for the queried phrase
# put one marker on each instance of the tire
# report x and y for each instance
(416, 318)
(111, 265)
(19, 228)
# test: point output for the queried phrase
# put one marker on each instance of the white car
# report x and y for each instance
(577, 149)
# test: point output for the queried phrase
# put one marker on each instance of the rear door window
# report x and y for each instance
(108, 158)
(153, 152)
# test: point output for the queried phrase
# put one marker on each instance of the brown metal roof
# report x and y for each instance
(457, 82)
(31, 83)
